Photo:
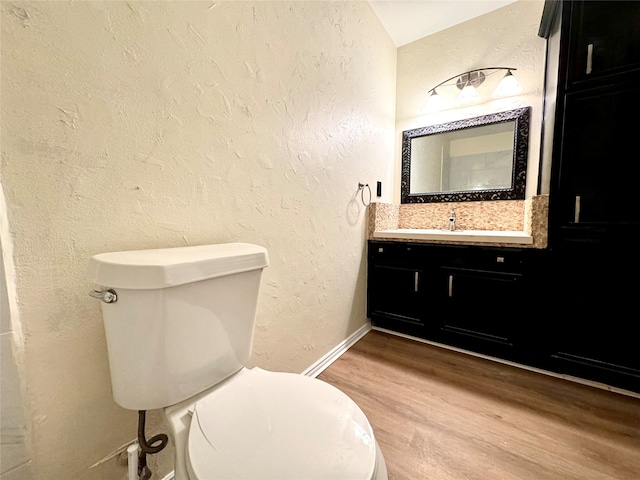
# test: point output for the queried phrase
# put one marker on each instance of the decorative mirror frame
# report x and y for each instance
(520, 153)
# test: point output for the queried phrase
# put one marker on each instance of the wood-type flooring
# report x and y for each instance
(439, 414)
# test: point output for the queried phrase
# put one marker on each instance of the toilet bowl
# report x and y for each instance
(179, 325)
(264, 425)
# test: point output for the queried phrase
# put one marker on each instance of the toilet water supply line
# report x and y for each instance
(138, 469)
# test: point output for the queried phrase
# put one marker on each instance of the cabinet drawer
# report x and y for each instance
(395, 253)
(498, 259)
(488, 259)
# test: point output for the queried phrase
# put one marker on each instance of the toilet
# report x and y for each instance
(179, 326)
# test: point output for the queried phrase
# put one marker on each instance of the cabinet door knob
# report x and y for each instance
(450, 285)
(576, 211)
(589, 58)
(416, 276)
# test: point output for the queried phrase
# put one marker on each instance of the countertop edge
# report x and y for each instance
(474, 236)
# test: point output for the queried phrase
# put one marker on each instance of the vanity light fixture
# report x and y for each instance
(468, 82)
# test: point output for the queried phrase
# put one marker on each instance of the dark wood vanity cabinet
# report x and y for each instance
(568, 314)
(464, 296)
(594, 217)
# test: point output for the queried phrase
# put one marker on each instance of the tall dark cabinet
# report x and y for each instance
(594, 201)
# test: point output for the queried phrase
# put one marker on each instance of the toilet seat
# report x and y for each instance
(270, 425)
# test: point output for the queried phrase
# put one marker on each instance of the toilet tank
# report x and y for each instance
(183, 319)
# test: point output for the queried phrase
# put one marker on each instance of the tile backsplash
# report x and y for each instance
(528, 215)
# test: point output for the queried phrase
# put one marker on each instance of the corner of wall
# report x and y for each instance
(15, 458)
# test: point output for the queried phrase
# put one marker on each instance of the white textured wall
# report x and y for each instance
(507, 37)
(129, 125)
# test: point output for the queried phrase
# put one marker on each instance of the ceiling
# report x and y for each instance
(410, 20)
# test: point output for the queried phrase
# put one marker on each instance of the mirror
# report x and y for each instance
(480, 158)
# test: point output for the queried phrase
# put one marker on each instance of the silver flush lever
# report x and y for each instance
(107, 296)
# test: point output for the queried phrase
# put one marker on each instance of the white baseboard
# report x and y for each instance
(318, 367)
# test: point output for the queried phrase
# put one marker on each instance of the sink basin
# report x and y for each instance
(473, 236)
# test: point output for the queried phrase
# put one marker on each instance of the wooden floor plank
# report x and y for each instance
(439, 414)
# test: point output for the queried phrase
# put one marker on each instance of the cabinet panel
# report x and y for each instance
(594, 287)
(480, 304)
(604, 39)
(396, 293)
(481, 310)
(397, 287)
(597, 157)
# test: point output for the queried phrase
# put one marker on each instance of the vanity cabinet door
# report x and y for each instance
(479, 309)
(605, 39)
(481, 293)
(396, 294)
(594, 288)
(599, 152)
(397, 287)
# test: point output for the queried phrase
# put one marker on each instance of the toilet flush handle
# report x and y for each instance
(107, 296)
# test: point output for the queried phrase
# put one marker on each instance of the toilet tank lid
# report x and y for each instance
(168, 267)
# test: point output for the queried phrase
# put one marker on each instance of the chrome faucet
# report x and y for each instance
(452, 220)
